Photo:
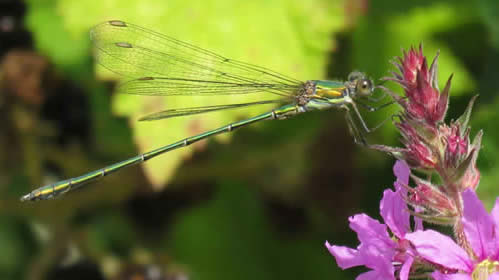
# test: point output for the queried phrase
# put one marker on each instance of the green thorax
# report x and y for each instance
(322, 94)
(330, 89)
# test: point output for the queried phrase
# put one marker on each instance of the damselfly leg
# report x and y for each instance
(357, 134)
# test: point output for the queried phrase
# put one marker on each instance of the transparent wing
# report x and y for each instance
(161, 65)
(166, 86)
(171, 113)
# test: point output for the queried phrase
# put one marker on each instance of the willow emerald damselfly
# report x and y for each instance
(159, 65)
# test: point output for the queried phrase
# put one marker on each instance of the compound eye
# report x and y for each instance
(364, 87)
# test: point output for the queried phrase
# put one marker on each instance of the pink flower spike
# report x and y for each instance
(424, 101)
(411, 64)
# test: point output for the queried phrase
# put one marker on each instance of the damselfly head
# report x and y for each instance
(360, 84)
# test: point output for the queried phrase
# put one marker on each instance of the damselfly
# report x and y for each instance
(163, 66)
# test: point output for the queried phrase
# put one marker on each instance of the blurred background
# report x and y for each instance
(256, 204)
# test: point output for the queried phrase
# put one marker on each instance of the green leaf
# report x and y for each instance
(53, 37)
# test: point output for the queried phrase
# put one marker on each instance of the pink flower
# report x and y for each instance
(424, 110)
(460, 154)
(434, 205)
(429, 144)
(424, 100)
(478, 255)
(378, 250)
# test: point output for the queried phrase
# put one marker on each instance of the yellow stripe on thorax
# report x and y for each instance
(329, 93)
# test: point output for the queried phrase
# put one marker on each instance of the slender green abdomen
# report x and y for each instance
(56, 189)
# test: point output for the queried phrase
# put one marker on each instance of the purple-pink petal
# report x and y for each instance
(440, 249)
(345, 257)
(370, 231)
(374, 275)
(378, 258)
(406, 269)
(495, 213)
(377, 248)
(478, 226)
(394, 211)
(418, 223)
(494, 276)
(402, 172)
(437, 275)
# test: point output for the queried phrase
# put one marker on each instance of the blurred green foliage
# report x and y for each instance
(258, 205)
